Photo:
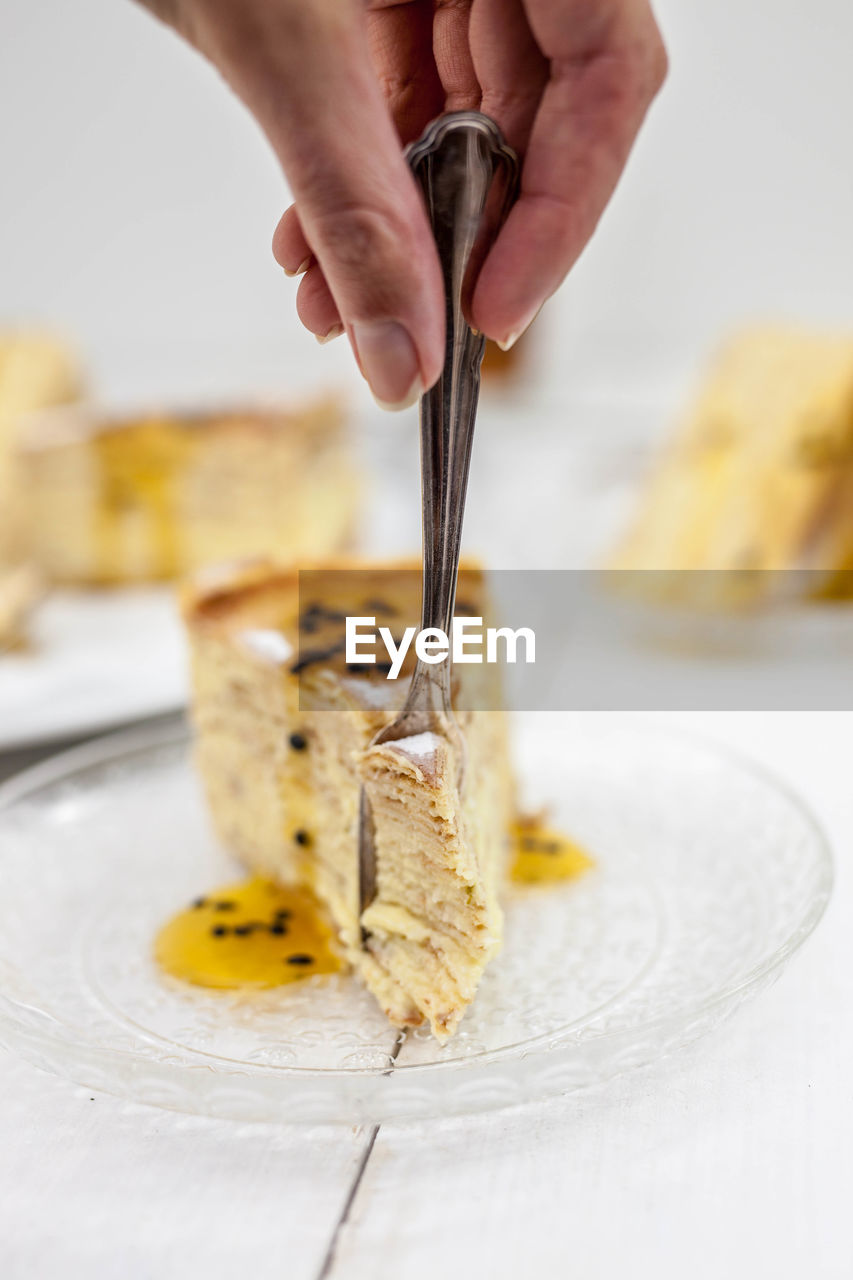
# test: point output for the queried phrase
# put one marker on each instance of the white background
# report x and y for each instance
(137, 207)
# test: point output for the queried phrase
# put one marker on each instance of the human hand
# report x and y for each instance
(339, 85)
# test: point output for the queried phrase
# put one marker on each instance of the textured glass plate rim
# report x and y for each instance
(650, 1040)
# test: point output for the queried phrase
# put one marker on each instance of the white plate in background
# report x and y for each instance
(96, 659)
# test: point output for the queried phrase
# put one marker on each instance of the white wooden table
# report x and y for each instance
(733, 1158)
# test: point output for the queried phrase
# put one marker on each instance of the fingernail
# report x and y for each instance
(388, 361)
(513, 337)
(335, 332)
(301, 269)
(394, 407)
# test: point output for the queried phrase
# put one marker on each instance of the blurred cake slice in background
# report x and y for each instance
(20, 590)
(37, 371)
(116, 500)
(283, 736)
(758, 479)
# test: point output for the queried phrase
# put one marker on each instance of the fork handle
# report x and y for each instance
(455, 163)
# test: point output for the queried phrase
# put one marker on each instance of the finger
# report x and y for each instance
(290, 248)
(510, 66)
(399, 37)
(316, 308)
(605, 67)
(453, 55)
(358, 204)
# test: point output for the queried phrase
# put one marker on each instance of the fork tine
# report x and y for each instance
(366, 859)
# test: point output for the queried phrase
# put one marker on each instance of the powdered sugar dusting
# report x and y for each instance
(420, 746)
(268, 644)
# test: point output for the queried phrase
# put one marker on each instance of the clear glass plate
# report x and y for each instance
(708, 877)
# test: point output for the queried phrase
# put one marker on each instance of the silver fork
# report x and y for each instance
(456, 162)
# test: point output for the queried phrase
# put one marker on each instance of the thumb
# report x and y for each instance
(304, 71)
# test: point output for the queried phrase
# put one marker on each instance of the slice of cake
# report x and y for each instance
(144, 498)
(36, 372)
(283, 732)
(760, 476)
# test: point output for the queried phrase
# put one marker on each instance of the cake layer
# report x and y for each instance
(154, 497)
(283, 745)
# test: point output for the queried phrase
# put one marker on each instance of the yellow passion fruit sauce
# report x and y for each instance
(252, 934)
(541, 855)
